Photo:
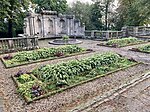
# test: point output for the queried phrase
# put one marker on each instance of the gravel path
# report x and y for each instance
(135, 99)
(70, 98)
(89, 44)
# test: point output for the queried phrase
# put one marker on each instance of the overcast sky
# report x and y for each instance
(90, 1)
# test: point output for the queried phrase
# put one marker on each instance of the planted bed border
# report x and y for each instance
(28, 100)
(137, 50)
(43, 60)
(103, 44)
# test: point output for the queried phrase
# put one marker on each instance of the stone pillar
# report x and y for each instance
(25, 28)
(107, 34)
(42, 22)
(83, 29)
(117, 34)
(92, 33)
(124, 32)
(67, 28)
(135, 29)
(72, 26)
(30, 26)
(46, 26)
(33, 26)
(55, 26)
(144, 31)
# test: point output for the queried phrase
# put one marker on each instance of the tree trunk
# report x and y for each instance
(10, 28)
(106, 16)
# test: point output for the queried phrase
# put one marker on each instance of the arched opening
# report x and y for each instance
(51, 27)
(39, 26)
(76, 27)
(63, 26)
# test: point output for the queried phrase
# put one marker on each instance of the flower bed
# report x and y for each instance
(50, 79)
(122, 42)
(144, 49)
(28, 57)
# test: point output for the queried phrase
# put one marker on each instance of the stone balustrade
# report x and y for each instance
(125, 32)
(103, 34)
(17, 44)
(136, 31)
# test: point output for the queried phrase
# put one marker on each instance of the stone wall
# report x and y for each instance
(51, 24)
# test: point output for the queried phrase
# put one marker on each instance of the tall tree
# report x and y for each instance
(90, 14)
(106, 6)
(133, 13)
(82, 11)
(96, 16)
(53, 5)
(10, 10)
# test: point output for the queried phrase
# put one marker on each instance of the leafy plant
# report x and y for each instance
(62, 72)
(123, 42)
(145, 48)
(24, 78)
(58, 54)
(8, 57)
(32, 89)
(65, 37)
(42, 54)
(61, 75)
(19, 73)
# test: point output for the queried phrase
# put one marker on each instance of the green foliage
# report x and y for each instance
(88, 14)
(43, 54)
(123, 42)
(65, 37)
(26, 88)
(132, 13)
(82, 11)
(106, 7)
(145, 48)
(13, 11)
(24, 78)
(64, 71)
(54, 77)
(96, 16)
(53, 5)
